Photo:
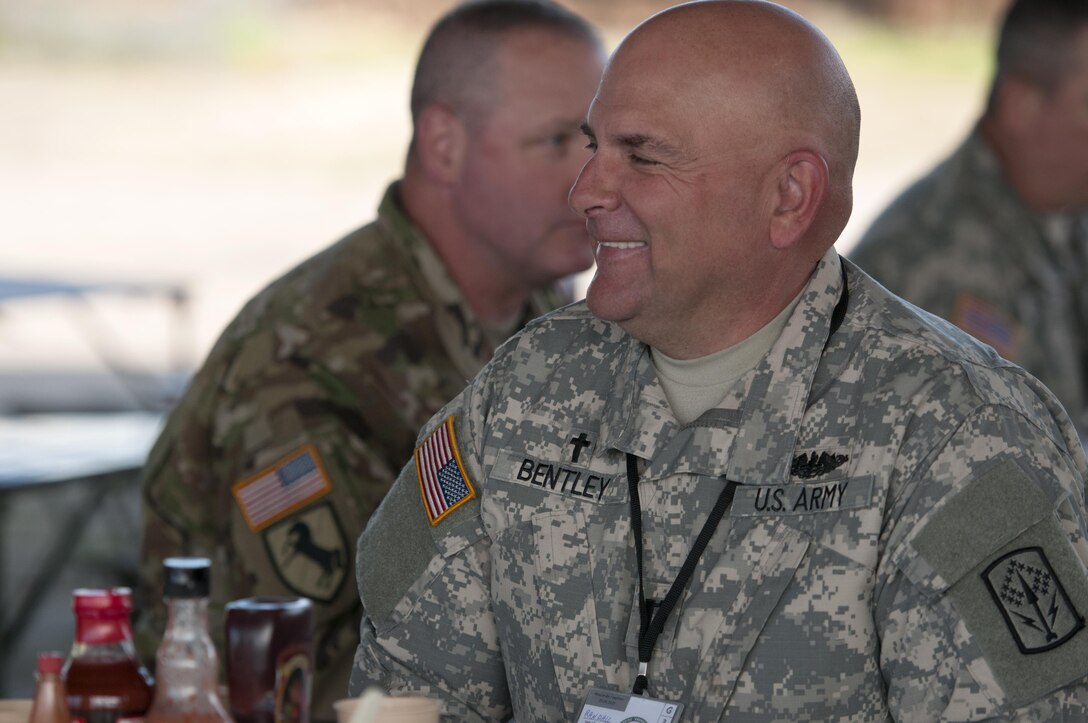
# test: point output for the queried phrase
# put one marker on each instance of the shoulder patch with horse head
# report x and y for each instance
(310, 552)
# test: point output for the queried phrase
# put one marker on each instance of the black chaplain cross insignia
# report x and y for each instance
(579, 443)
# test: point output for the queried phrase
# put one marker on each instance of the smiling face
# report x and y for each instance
(672, 198)
(523, 155)
(724, 136)
(676, 194)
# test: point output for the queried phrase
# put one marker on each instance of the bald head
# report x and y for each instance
(725, 134)
(766, 61)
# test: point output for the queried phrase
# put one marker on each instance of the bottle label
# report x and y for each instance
(99, 631)
(294, 677)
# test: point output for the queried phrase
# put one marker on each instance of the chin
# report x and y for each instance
(608, 306)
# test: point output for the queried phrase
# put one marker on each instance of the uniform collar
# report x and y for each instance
(751, 437)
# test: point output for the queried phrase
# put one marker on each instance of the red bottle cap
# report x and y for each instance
(50, 662)
(102, 604)
(102, 616)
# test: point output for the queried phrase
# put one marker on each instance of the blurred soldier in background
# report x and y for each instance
(995, 239)
(296, 425)
(742, 476)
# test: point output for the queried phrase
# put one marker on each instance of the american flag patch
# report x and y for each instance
(443, 483)
(988, 324)
(289, 485)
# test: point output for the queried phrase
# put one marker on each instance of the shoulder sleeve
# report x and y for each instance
(424, 570)
(939, 247)
(981, 611)
(284, 444)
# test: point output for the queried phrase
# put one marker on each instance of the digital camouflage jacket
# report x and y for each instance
(906, 540)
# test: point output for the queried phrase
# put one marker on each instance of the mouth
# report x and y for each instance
(621, 244)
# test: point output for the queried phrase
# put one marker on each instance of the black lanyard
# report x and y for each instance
(652, 622)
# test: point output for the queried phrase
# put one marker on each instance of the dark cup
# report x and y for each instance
(270, 659)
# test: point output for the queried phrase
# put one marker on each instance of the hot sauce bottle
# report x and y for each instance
(50, 703)
(186, 662)
(104, 679)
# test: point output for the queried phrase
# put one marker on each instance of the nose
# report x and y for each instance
(592, 193)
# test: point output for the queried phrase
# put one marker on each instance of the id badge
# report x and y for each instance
(610, 706)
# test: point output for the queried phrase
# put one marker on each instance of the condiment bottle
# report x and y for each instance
(50, 705)
(186, 663)
(104, 680)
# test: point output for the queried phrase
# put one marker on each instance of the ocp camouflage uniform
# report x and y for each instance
(961, 244)
(888, 465)
(321, 381)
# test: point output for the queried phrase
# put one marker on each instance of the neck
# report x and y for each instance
(731, 320)
(493, 294)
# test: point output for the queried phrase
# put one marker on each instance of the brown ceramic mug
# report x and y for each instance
(269, 661)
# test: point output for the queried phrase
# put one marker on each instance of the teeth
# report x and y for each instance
(622, 244)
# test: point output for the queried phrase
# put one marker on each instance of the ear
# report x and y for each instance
(802, 187)
(440, 143)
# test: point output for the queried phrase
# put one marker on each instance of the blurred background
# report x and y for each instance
(162, 160)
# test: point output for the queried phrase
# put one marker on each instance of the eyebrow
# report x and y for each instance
(640, 142)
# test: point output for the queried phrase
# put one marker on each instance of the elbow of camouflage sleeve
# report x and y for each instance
(375, 667)
(368, 670)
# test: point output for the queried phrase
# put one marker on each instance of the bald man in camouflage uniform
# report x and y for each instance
(995, 239)
(296, 425)
(902, 530)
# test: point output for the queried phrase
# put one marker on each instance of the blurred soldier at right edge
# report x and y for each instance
(995, 239)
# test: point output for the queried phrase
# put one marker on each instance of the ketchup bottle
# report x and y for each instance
(105, 681)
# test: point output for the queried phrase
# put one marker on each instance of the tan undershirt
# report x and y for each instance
(693, 386)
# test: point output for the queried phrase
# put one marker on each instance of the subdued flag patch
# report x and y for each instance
(1032, 600)
(988, 324)
(443, 482)
(276, 491)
